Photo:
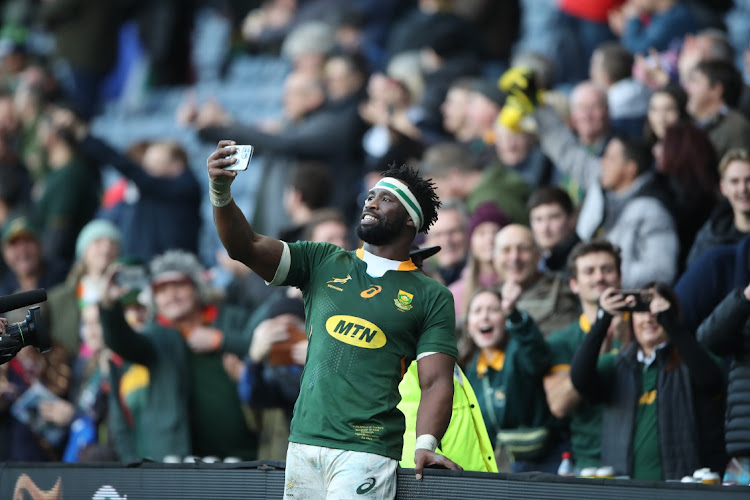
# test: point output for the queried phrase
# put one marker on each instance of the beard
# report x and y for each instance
(385, 231)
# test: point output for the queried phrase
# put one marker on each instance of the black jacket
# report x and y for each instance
(689, 387)
(726, 332)
(719, 229)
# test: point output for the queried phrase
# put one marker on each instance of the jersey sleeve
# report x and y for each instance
(439, 332)
(305, 257)
(562, 354)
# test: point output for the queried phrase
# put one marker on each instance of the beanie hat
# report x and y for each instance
(490, 90)
(486, 212)
(94, 230)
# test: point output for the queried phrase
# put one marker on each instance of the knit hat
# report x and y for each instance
(486, 211)
(94, 230)
(490, 90)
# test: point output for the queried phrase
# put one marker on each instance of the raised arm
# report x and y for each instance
(181, 186)
(434, 413)
(560, 145)
(584, 369)
(260, 253)
(704, 371)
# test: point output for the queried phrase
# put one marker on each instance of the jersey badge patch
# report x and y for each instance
(403, 300)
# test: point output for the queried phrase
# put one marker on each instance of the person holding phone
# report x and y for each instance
(369, 314)
(662, 417)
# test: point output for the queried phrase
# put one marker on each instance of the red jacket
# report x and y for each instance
(591, 10)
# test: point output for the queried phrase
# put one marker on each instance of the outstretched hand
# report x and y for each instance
(426, 458)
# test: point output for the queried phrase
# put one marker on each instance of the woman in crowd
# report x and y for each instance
(666, 107)
(687, 163)
(663, 417)
(483, 225)
(504, 356)
(97, 246)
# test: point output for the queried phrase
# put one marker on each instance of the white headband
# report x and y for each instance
(405, 196)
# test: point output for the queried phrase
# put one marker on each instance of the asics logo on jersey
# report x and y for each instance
(371, 292)
(355, 331)
(366, 486)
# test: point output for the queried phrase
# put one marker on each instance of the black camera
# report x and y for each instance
(30, 331)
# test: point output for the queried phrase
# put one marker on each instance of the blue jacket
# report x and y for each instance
(662, 29)
(710, 278)
(167, 213)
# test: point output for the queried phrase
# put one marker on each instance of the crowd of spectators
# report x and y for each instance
(579, 147)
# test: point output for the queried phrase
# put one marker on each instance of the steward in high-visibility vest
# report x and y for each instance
(466, 441)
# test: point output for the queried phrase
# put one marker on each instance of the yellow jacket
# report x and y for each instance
(466, 441)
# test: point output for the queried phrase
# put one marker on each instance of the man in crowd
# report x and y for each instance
(730, 220)
(546, 296)
(553, 221)
(624, 201)
(714, 88)
(449, 233)
(181, 348)
(457, 176)
(27, 267)
(593, 267)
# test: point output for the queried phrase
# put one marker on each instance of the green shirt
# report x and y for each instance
(586, 419)
(363, 333)
(646, 457)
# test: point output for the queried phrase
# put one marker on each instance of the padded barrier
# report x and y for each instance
(264, 480)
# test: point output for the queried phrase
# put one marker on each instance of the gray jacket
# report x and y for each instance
(637, 221)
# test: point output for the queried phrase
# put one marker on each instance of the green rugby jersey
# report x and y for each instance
(363, 332)
(586, 418)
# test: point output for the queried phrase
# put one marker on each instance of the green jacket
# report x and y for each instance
(506, 188)
(65, 317)
(192, 405)
(513, 397)
(465, 441)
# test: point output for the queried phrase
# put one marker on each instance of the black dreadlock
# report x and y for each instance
(422, 189)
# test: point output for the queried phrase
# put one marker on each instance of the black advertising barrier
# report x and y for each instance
(264, 480)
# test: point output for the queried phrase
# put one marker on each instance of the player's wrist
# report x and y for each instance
(426, 442)
(220, 191)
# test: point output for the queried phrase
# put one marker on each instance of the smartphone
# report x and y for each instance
(642, 299)
(242, 158)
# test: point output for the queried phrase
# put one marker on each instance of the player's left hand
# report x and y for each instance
(426, 458)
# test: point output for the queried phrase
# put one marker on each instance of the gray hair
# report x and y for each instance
(312, 37)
